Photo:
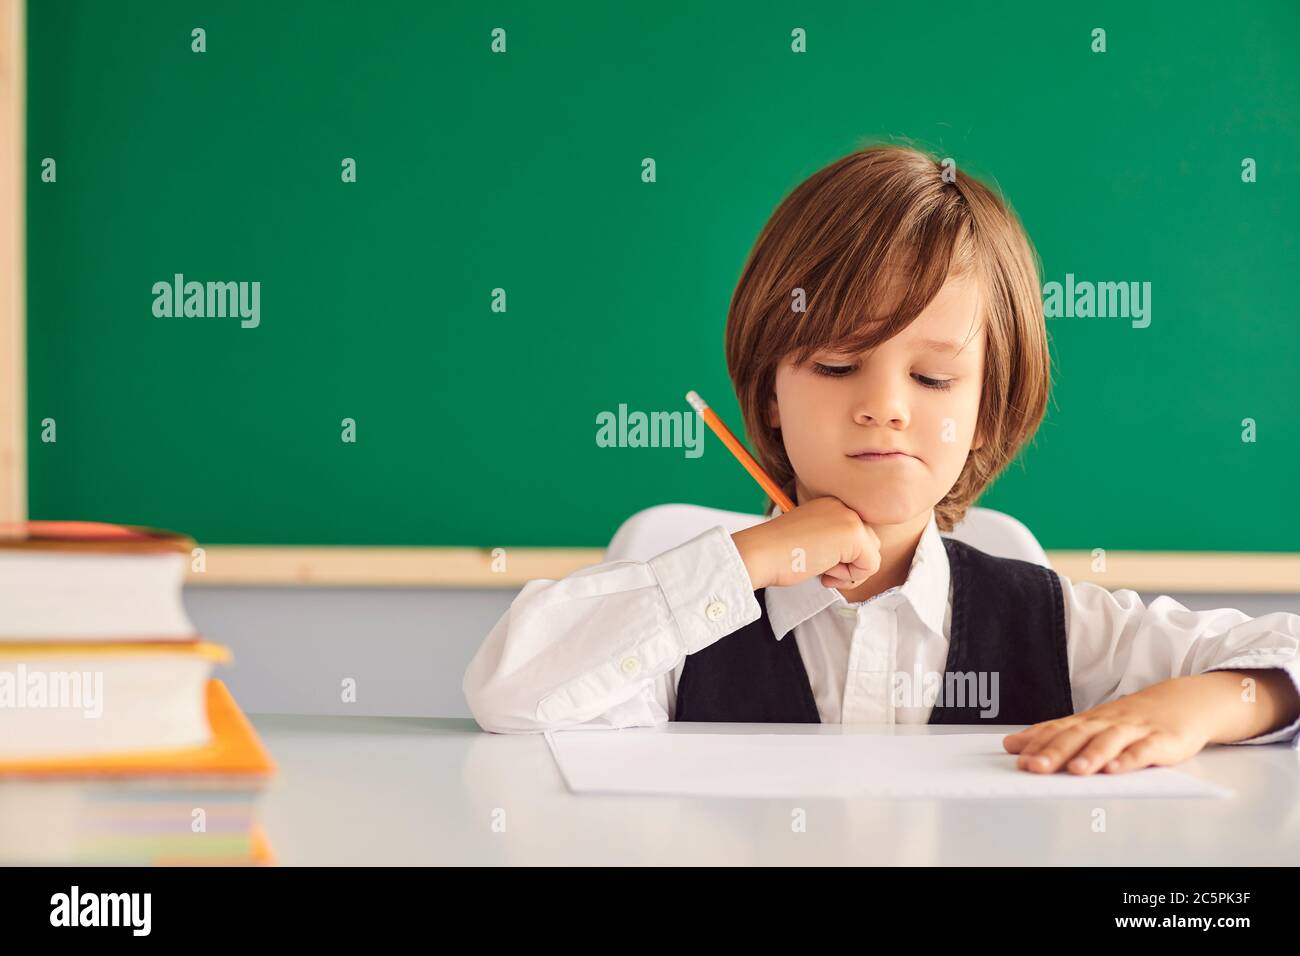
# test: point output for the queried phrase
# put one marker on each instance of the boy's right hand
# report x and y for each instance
(822, 537)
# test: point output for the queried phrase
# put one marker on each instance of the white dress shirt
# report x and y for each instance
(605, 646)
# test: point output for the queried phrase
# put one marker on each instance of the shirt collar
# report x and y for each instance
(926, 589)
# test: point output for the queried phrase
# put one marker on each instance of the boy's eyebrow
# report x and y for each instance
(940, 345)
(923, 345)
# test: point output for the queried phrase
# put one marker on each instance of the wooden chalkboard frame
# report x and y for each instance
(1148, 571)
(13, 272)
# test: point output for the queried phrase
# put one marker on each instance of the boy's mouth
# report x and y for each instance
(880, 455)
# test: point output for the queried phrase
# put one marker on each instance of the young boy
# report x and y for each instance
(887, 344)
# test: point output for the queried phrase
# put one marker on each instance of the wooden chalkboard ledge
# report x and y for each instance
(1252, 572)
(388, 566)
(1146, 571)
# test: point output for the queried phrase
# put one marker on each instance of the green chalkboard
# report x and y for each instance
(521, 171)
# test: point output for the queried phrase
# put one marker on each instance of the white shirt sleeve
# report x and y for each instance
(597, 649)
(1117, 645)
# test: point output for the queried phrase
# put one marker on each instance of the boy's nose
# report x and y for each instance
(883, 411)
(881, 401)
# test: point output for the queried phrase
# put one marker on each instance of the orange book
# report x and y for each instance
(138, 696)
(234, 752)
(133, 809)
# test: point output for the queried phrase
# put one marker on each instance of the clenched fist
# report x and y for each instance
(823, 536)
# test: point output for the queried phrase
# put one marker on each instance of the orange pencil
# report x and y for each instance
(742, 455)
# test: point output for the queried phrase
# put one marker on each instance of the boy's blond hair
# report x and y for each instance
(870, 239)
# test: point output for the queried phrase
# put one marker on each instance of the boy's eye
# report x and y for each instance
(839, 371)
(934, 382)
(835, 371)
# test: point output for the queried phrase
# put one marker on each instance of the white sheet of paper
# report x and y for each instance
(929, 766)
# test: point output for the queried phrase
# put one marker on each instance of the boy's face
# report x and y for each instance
(887, 398)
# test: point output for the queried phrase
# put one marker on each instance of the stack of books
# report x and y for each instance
(117, 746)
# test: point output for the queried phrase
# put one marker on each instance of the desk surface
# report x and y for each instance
(407, 791)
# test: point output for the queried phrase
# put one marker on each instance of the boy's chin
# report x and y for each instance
(884, 512)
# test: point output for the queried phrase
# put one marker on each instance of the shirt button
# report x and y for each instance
(716, 611)
(630, 665)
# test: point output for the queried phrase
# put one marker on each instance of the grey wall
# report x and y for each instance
(406, 648)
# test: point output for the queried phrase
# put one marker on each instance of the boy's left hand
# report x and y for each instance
(1156, 726)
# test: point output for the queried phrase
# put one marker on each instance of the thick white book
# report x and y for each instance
(88, 581)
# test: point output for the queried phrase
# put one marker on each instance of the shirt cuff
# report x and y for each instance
(707, 588)
(1290, 734)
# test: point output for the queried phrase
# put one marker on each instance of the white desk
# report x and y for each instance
(407, 791)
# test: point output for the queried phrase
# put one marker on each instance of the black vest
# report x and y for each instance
(1008, 618)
